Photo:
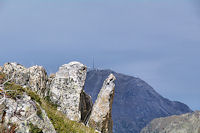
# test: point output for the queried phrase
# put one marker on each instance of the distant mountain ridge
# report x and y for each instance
(185, 123)
(135, 103)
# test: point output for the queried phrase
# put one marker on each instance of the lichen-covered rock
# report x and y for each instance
(66, 89)
(19, 73)
(22, 112)
(101, 118)
(186, 123)
(34, 77)
(38, 80)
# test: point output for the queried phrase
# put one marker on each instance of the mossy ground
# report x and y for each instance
(34, 129)
(61, 123)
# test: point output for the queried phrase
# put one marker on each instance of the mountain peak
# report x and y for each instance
(135, 104)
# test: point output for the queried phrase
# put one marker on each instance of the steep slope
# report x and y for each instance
(186, 123)
(135, 103)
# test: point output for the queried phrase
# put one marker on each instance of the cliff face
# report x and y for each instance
(135, 103)
(186, 123)
(30, 100)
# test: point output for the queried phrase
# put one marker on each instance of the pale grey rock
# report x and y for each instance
(101, 118)
(38, 80)
(19, 73)
(34, 77)
(1, 68)
(66, 89)
(185, 123)
(22, 112)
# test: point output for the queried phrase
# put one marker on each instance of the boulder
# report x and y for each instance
(67, 87)
(38, 80)
(34, 77)
(101, 118)
(19, 73)
(23, 112)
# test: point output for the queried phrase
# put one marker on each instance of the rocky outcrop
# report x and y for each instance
(66, 90)
(23, 112)
(186, 123)
(34, 77)
(101, 118)
(66, 86)
(19, 73)
(38, 80)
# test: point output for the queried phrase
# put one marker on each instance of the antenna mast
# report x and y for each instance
(93, 63)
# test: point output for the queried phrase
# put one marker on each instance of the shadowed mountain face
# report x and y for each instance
(135, 102)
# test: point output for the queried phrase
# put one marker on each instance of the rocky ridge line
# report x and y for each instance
(65, 89)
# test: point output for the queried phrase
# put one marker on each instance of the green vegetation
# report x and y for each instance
(61, 123)
(34, 129)
(39, 111)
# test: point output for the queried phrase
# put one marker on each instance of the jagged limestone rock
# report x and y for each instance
(101, 118)
(66, 89)
(186, 123)
(19, 73)
(34, 77)
(38, 80)
(22, 112)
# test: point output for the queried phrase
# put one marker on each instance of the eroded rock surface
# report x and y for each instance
(22, 112)
(186, 123)
(101, 118)
(38, 80)
(19, 73)
(34, 77)
(66, 89)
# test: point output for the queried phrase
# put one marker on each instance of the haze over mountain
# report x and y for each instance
(135, 102)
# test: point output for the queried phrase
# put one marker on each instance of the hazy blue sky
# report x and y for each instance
(156, 40)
